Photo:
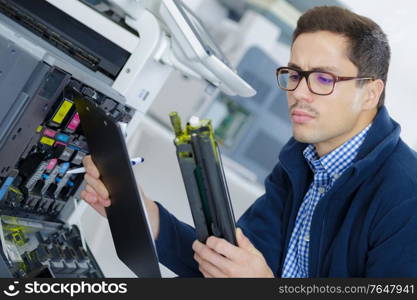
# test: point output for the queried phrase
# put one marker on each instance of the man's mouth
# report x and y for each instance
(301, 117)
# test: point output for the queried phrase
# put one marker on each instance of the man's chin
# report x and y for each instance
(304, 138)
(301, 140)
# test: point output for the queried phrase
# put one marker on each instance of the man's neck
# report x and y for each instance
(328, 146)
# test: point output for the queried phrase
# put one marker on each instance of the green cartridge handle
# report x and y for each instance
(176, 123)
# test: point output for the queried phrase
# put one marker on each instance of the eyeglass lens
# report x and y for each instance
(318, 82)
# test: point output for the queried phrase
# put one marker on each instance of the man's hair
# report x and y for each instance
(368, 47)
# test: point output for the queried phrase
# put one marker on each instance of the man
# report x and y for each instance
(342, 200)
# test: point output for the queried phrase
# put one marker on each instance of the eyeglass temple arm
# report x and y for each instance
(341, 78)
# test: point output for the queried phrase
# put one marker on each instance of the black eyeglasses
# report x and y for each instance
(318, 82)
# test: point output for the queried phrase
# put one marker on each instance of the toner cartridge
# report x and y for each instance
(202, 171)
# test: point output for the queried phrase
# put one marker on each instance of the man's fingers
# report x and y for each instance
(90, 189)
(89, 197)
(96, 202)
(95, 192)
(205, 274)
(245, 243)
(215, 259)
(90, 167)
(100, 209)
(104, 202)
(225, 248)
(208, 269)
(97, 185)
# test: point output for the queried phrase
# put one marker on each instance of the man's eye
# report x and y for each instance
(294, 77)
(324, 79)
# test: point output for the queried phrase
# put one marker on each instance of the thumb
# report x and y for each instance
(243, 242)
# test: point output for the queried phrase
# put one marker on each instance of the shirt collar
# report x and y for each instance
(336, 162)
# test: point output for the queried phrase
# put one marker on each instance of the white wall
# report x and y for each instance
(398, 20)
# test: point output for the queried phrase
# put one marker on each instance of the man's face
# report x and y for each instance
(317, 119)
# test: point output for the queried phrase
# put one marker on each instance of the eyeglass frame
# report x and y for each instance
(306, 74)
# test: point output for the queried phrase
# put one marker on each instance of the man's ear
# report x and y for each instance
(373, 92)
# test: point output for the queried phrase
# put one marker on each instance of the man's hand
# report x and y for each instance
(219, 258)
(95, 193)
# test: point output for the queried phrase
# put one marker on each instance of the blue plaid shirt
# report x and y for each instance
(327, 170)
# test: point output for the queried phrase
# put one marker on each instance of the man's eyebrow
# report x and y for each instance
(292, 65)
(320, 68)
(325, 69)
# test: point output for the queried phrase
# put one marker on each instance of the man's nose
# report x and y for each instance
(302, 92)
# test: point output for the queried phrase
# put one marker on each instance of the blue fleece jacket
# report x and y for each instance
(365, 225)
